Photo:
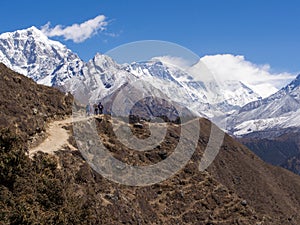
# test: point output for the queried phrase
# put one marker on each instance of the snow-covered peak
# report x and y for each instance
(33, 54)
(31, 33)
(104, 62)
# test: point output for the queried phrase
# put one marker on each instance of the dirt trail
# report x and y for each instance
(57, 136)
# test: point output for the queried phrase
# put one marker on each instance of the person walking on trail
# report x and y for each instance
(95, 109)
(100, 108)
(88, 109)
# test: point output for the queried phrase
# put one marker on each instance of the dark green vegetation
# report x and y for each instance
(281, 151)
(238, 188)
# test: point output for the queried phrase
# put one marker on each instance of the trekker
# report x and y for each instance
(88, 109)
(95, 109)
(100, 107)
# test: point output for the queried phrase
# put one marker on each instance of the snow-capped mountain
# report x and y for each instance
(101, 76)
(207, 96)
(279, 111)
(48, 62)
(31, 53)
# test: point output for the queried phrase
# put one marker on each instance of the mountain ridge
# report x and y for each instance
(278, 111)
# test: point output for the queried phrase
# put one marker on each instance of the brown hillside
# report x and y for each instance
(26, 106)
(269, 189)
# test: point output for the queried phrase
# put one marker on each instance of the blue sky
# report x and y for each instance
(265, 32)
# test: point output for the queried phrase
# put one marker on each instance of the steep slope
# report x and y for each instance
(276, 150)
(101, 77)
(270, 190)
(31, 53)
(25, 107)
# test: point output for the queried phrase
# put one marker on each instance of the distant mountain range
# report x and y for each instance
(49, 62)
(271, 127)
(270, 116)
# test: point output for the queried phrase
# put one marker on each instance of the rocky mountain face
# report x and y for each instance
(31, 53)
(238, 188)
(101, 77)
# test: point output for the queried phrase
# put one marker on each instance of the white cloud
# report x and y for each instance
(77, 32)
(257, 77)
(174, 61)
